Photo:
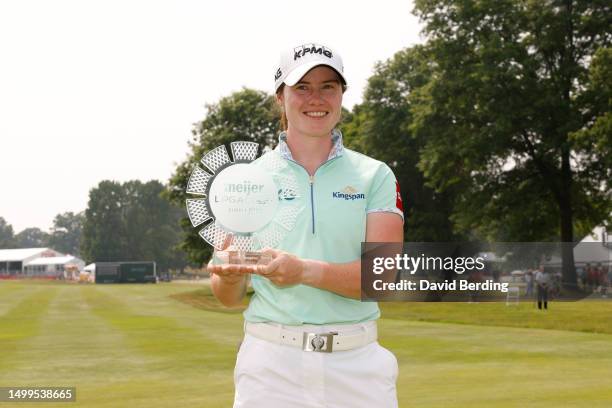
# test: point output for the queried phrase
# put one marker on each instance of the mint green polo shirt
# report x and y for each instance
(330, 227)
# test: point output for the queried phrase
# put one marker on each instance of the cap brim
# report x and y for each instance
(298, 73)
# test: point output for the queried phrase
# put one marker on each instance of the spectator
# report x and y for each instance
(590, 274)
(603, 280)
(581, 274)
(543, 281)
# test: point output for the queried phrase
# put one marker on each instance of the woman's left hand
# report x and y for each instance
(284, 269)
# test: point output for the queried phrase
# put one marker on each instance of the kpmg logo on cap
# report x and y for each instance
(301, 51)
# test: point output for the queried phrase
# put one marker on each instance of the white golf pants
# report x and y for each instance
(281, 376)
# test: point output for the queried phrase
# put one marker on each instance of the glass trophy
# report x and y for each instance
(243, 205)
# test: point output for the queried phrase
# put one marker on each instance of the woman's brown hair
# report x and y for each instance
(283, 118)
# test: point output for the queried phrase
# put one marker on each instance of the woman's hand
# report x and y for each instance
(230, 274)
(283, 270)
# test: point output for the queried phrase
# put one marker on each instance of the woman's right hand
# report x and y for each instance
(230, 274)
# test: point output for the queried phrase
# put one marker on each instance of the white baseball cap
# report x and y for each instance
(296, 62)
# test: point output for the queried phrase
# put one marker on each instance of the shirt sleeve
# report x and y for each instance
(385, 193)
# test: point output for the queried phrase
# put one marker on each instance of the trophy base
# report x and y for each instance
(243, 257)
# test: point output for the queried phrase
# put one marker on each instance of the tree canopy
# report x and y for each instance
(7, 235)
(380, 128)
(511, 115)
(31, 238)
(66, 233)
(131, 222)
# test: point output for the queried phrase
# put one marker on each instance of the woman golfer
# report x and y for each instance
(309, 340)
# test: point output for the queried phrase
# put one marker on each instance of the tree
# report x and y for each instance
(248, 115)
(380, 128)
(595, 142)
(509, 92)
(66, 233)
(152, 225)
(7, 238)
(132, 222)
(103, 229)
(32, 238)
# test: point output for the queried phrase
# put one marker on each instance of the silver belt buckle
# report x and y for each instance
(319, 342)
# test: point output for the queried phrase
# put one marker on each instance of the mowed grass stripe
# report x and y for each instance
(8, 287)
(459, 365)
(223, 330)
(21, 322)
(156, 336)
(67, 348)
(84, 337)
(183, 365)
(77, 347)
(11, 293)
(23, 318)
(115, 370)
(591, 316)
(67, 353)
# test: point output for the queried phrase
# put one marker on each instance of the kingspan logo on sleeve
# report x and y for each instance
(301, 51)
(348, 193)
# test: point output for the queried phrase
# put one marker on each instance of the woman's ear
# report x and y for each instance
(279, 95)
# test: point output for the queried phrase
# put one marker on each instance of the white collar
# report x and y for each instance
(336, 151)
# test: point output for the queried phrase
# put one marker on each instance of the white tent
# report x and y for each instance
(54, 266)
(14, 261)
(592, 249)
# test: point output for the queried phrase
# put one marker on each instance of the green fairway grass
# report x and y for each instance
(173, 345)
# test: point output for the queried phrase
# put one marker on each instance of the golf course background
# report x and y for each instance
(172, 345)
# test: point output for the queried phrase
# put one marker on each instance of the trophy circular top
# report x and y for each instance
(247, 205)
(243, 198)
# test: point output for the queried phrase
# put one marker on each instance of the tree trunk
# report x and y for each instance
(565, 200)
(566, 219)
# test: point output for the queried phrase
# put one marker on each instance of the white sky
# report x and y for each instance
(94, 90)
